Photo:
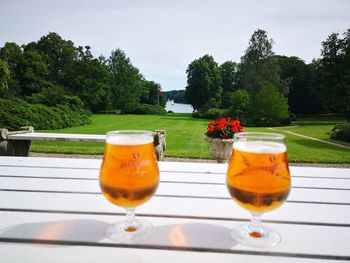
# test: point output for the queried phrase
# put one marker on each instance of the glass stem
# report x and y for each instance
(130, 216)
(255, 227)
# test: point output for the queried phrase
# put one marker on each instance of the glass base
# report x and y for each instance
(263, 237)
(126, 232)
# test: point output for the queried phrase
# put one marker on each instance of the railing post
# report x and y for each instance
(15, 147)
(160, 144)
(4, 147)
(22, 147)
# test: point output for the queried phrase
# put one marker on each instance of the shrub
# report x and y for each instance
(270, 107)
(146, 109)
(213, 113)
(341, 132)
(15, 113)
(198, 114)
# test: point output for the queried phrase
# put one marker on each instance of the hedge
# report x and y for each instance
(15, 113)
(341, 132)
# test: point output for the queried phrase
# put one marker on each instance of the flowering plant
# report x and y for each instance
(223, 128)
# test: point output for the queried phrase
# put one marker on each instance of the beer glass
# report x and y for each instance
(129, 177)
(258, 180)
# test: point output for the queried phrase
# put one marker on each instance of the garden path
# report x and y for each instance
(312, 138)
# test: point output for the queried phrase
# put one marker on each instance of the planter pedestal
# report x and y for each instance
(220, 149)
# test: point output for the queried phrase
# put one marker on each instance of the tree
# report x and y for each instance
(58, 54)
(258, 65)
(12, 54)
(125, 81)
(32, 73)
(152, 94)
(300, 78)
(180, 97)
(334, 70)
(228, 71)
(270, 107)
(4, 78)
(240, 104)
(203, 83)
(87, 78)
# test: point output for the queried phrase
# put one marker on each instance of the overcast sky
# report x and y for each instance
(162, 37)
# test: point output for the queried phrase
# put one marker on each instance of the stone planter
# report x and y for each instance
(220, 149)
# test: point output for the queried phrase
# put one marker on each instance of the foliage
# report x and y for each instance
(203, 82)
(4, 78)
(87, 78)
(179, 96)
(300, 79)
(146, 109)
(214, 113)
(334, 69)
(125, 82)
(270, 107)
(223, 128)
(53, 72)
(228, 71)
(11, 54)
(15, 113)
(341, 132)
(58, 55)
(258, 65)
(240, 105)
(152, 94)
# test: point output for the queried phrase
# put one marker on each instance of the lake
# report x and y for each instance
(178, 107)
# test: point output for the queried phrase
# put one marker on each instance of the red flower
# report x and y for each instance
(223, 128)
(220, 127)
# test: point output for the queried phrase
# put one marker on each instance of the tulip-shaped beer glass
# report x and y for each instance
(258, 179)
(129, 177)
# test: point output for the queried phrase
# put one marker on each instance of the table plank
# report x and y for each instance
(169, 189)
(170, 176)
(34, 253)
(173, 234)
(179, 167)
(290, 212)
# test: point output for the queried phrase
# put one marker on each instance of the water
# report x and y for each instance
(178, 107)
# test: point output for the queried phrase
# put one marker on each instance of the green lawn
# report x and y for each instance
(185, 137)
(316, 126)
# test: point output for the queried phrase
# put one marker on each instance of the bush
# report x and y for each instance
(212, 114)
(341, 132)
(198, 114)
(146, 109)
(270, 107)
(292, 116)
(15, 113)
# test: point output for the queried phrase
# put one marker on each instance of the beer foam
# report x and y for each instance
(260, 147)
(129, 140)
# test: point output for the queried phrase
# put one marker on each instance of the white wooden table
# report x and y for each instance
(51, 210)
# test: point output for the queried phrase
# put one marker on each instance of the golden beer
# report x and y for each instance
(129, 174)
(258, 177)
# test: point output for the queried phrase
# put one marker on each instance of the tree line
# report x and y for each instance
(54, 84)
(53, 72)
(267, 89)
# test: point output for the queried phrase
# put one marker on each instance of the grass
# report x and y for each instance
(185, 137)
(316, 126)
